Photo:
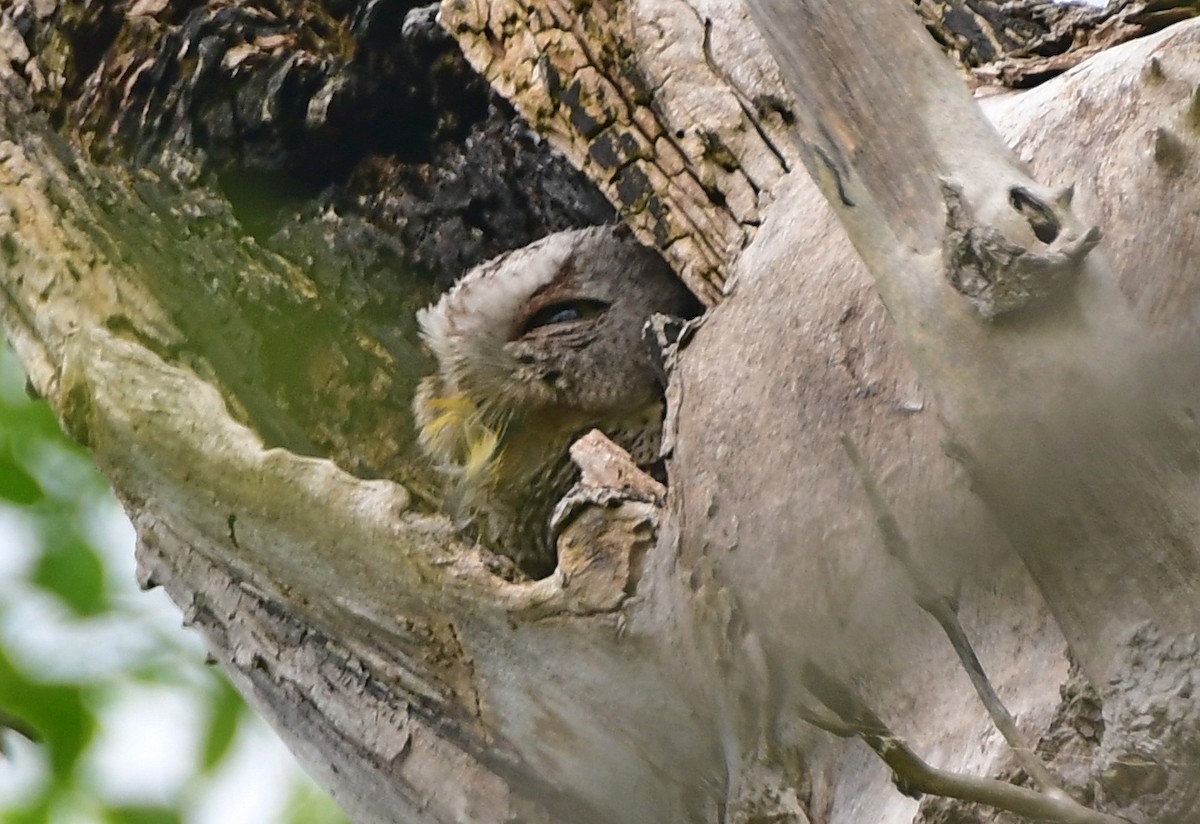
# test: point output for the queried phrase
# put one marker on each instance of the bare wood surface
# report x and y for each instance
(645, 684)
(1083, 334)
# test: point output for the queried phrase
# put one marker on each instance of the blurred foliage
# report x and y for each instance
(107, 712)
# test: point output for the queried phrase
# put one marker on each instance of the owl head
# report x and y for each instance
(546, 336)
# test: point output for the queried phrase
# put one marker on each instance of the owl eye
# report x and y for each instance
(564, 312)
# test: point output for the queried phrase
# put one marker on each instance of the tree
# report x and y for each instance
(864, 503)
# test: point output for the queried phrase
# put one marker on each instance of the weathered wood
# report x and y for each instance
(670, 683)
(411, 679)
(670, 108)
(1069, 347)
(1021, 43)
(746, 568)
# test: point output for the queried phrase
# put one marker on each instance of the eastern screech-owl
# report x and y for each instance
(534, 348)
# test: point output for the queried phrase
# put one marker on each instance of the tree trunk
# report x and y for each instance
(947, 426)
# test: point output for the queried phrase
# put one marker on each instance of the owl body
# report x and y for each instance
(534, 348)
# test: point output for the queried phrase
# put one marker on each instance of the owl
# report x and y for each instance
(534, 348)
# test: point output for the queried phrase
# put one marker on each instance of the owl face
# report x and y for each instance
(554, 325)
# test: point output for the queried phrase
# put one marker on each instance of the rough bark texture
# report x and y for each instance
(1021, 43)
(201, 352)
(1078, 336)
(675, 142)
(348, 139)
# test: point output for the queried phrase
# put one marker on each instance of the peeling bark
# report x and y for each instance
(1021, 43)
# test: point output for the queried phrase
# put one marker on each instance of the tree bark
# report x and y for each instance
(1073, 342)
(1007, 448)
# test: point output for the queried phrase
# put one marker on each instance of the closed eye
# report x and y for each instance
(564, 312)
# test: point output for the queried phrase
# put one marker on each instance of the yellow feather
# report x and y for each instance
(446, 421)
(482, 453)
(452, 428)
(457, 403)
(433, 429)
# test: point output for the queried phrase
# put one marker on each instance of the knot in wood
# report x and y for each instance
(998, 275)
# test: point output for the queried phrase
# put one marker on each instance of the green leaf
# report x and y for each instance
(17, 485)
(71, 569)
(227, 711)
(37, 813)
(19, 725)
(59, 713)
(23, 420)
(142, 815)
